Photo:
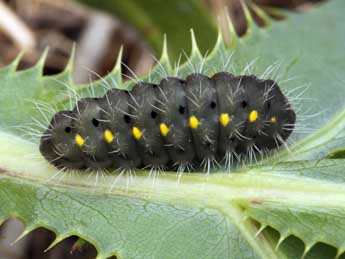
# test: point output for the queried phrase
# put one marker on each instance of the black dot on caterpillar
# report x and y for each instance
(68, 129)
(154, 114)
(95, 122)
(181, 109)
(184, 124)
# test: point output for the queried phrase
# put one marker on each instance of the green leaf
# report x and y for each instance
(155, 19)
(311, 201)
(296, 192)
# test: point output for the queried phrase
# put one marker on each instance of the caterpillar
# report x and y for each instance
(176, 124)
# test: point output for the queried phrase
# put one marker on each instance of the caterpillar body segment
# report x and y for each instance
(230, 123)
(122, 147)
(174, 116)
(87, 122)
(203, 114)
(146, 119)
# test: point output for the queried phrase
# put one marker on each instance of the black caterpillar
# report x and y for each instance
(174, 124)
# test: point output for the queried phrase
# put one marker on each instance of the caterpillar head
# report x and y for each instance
(58, 143)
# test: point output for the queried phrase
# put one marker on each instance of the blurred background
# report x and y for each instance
(98, 29)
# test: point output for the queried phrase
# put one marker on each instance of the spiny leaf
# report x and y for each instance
(313, 213)
(154, 19)
(201, 216)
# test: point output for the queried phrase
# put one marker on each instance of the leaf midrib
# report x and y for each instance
(200, 190)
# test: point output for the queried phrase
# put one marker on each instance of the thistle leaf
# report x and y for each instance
(298, 192)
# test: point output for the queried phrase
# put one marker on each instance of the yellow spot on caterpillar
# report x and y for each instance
(273, 119)
(137, 133)
(212, 74)
(224, 119)
(108, 136)
(164, 129)
(253, 116)
(193, 122)
(79, 140)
